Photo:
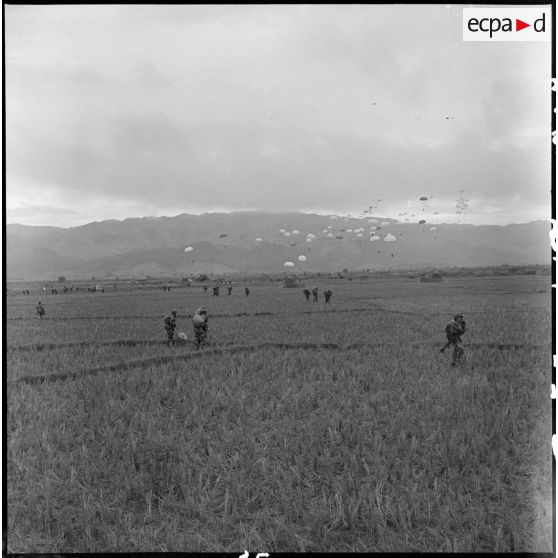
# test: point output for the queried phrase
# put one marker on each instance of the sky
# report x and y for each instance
(144, 110)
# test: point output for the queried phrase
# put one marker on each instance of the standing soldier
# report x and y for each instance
(40, 311)
(170, 326)
(306, 294)
(205, 288)
(229, 289)
(246, 291)
(315, 294)
(215, 291)
(454, 330)
(327, 296)
(200, 326)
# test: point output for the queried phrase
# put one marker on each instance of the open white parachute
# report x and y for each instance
(389, 238)
(188, 249)
(301, 258)
(288, 264)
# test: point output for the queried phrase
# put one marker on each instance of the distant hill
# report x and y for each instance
(225, 243)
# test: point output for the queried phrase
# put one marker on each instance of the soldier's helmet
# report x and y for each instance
(201, 310)
(457, 316)
(174, 312)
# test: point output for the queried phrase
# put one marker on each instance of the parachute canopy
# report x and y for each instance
(301, 258)
(339, 237)
(295, 232)
(288, 264)
(330, 235)
(389, 238)
(374, 238)
(360, 234)
(432, 228)
(423, 198)
(223, 235)
(188, 249)
(259, 239)
(422, 221)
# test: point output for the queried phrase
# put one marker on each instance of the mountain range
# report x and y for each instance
(226, 243)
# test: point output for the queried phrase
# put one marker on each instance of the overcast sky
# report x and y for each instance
(130, 111)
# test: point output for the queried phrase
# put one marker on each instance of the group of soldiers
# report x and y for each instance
(314, 293)
(229, 290)
(199, 321)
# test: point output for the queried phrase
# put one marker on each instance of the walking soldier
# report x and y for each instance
(454, 330)
(170, 326)
(200, 326)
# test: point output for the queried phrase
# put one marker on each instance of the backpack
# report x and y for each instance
(198, 319)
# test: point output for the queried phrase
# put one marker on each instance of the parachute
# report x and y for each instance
(188, 249)
(432, 228)
(389, 238)
(301, 258)
(258, 239)
(288, 264)
(183, 336)
(308, 240)
(324, 231)
(283, 231)
(421, 222)
(372, 220)
(287, 234)
(373, 238)
(311, 236)
(423, 198)
(360, 234)
(348, 230)
(223, 235)
(384, 223)
(339, 237)
(330, 235)
(295, 232)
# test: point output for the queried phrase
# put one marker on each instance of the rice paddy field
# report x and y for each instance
(301, 427)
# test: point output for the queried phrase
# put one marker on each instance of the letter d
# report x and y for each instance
(537, 21)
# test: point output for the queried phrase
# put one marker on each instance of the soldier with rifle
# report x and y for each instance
(454, 330)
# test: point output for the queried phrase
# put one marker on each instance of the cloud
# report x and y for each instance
(282, 107)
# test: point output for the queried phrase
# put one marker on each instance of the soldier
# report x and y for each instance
(40, 311)
(229, 289)
(454, 330)
(215, 291)
(306, 294)
(170, 326)
(246, 291)
(205, 288)
(327, 296)
(315, 294)
(200, 326)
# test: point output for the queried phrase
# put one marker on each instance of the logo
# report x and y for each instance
(507, 24)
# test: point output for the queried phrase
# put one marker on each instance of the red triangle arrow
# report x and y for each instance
(519, 25)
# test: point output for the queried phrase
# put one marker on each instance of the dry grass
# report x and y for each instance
(379, 447)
